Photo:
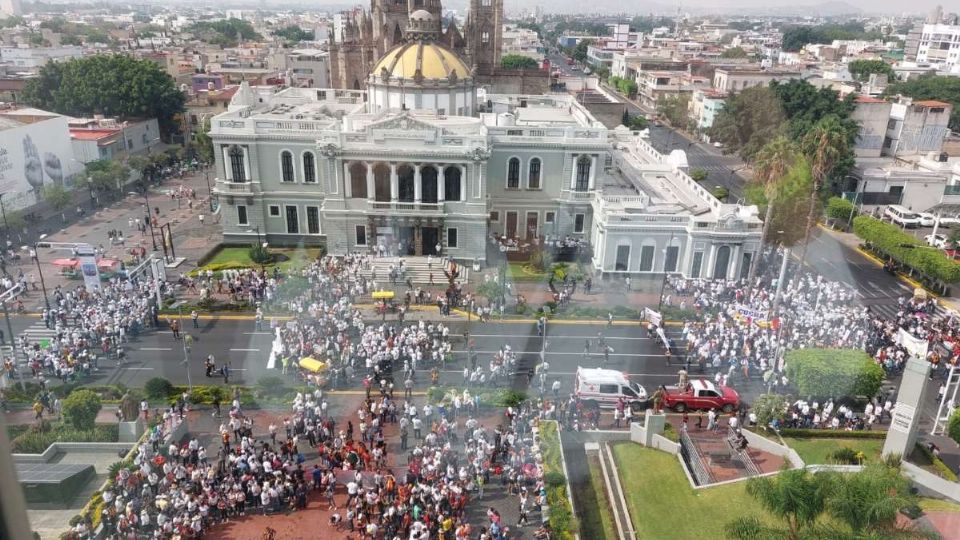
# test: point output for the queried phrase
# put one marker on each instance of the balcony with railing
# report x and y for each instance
(229, 187)
(410, 207)
(573, 195)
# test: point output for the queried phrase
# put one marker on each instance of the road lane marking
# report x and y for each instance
(591, 354)
(551, 373)
(258, 333)
(155, 349)
(245, 350)
(138, 368)
(553, 337)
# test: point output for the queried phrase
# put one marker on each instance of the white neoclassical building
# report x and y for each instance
(424, 158)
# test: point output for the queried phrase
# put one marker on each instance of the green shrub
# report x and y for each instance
(839, 208)
(34, 441)
(673, 313)
(28, 393)
(436, 394)
(158, 388)
(953, 426)
(260, 254)
(846, 456)
(940, 468)
(833, 373)
(80, 409)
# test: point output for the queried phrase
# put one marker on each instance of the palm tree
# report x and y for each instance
(770, 165)
(869, 501)
(825, 145)
(798, 497)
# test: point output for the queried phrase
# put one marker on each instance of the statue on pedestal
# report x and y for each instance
(129, 409)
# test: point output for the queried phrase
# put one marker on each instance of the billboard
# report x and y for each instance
(33, 156)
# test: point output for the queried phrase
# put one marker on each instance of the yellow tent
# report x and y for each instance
(379, 295)
(312, 364)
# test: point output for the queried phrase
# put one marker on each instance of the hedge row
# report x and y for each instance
(888, 240)
(561, 516)
(36, 441)
(831, 434)
(833, 373)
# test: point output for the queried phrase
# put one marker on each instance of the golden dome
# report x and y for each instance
(431, 60)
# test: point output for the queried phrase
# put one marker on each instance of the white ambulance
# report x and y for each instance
(604, 388)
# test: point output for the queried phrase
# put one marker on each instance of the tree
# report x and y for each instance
(862, 69)
(833, 373)
(580, 51)
(748, 121)
(734, 52)
(771, 165)
(769, 407)
(797, 497)
(940, 88)
(699, 174)
(108, 175)
(789, 204)
(226, 33)
(825, 146)
(293, 34)
(890, 242)
(80, 409)
(490, 290)
(518, 61)
(112, 85)
(796, 37)
(675, 109)
(57, 197)
(870, 500)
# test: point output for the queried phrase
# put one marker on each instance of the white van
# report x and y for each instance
(605, 387)
(902, 217)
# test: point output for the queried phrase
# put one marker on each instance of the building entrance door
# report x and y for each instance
(430, 238)
(407, 241)
(511, 230)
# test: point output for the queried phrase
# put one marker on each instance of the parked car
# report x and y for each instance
(901, 217)
(604, 387)
(701, 394)
(949, 221)
(936, 240)
(926, 219)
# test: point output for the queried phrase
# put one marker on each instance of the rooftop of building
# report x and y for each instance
(868, 99)
(931, 103)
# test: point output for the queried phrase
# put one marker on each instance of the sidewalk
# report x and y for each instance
(190, 239)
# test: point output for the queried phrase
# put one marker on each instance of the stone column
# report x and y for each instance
(347, 188)
(593, 171)
(371, 183)
(417, 184)
(394, 183)
(464, 183)
(441, 180)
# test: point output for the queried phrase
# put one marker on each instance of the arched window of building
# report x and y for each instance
(533, 174)
(309, 167)
(451, 183)
(286, 166)
(583, 173)
(513, 173)
(358, 181)
(236, 164)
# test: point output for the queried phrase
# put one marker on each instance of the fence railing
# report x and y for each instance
(742, 455)
(691, 456)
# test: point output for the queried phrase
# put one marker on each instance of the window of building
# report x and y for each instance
(549, 217)
(646, 258)
(237, 170)
(583, 174)
(452, 238)
(313, 220)
(274, 210)
(697, 264)
(485, 37)
(361, 231)
(293, 220)
(533, 178)
(451, 184)
(286, 166)
(578, 223)
(495, 216)
(143, 136)
(622, 263)
(670, 261)
(242, 215)
(513, 173)
(309, 168)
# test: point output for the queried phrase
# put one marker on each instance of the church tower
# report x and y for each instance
(484, 33)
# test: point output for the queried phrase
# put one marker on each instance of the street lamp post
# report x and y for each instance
(187, 342)
(503, 274)
(6, 228)
(663, 285)
(206, 178)
(43, 285)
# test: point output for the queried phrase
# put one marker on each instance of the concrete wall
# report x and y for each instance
(931, 484)
(762, 443)
(517, 81)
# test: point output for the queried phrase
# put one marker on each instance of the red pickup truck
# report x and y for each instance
(701, 394)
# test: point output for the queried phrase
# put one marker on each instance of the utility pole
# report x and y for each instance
(43, 285)
(10, 294)
(187, 342)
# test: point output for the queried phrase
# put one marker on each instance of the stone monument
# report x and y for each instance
(902, 434)
(131, 428)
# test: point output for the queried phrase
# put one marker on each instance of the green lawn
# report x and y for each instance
(519, 273)
(662, 503)
(818, 451)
